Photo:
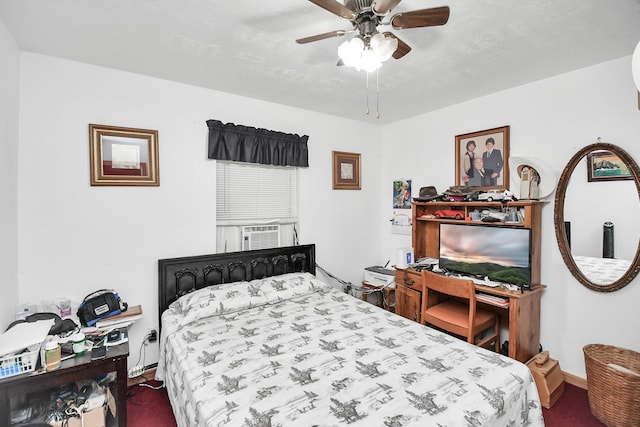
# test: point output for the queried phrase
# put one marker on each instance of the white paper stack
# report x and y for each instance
(24, 335)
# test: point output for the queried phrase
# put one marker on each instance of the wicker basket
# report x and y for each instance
(614, 391)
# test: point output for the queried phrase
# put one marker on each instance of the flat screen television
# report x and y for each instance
(503, 254)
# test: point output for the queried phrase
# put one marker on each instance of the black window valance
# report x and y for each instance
(228, 141)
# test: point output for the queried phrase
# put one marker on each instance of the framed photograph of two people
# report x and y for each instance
(482, 159)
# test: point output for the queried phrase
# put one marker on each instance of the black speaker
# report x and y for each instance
(607, 240)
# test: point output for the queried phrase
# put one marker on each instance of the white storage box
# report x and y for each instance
(380, 276)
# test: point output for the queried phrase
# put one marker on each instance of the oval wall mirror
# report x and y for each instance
(600, 192)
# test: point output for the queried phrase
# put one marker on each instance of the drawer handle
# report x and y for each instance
(407, 281)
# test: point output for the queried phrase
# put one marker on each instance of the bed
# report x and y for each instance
(256, 339)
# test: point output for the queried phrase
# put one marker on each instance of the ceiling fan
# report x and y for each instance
(366, 16)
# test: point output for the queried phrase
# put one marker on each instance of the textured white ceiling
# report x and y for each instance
(247, 47)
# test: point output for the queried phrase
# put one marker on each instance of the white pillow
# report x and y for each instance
(227, 298)
(290, 285)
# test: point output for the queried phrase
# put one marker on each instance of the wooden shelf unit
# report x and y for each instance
(426, 231)
(521, 315)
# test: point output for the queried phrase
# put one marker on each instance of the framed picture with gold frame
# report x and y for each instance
(346, 171)
(123, 156)
(482, 159)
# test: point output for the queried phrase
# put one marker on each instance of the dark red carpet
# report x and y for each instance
(149, 407)
(571, 409)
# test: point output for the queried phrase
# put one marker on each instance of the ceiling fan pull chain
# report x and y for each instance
(366, 111)
(377, 93)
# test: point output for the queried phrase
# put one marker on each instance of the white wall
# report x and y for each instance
(551, 120)
(9, 103)
(75, 238)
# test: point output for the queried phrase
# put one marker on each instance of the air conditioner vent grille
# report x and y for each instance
(260, 237)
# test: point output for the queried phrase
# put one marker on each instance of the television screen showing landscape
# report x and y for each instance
(502, 254)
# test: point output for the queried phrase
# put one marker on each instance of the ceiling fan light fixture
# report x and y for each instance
(350, 51)
(367, 56)
(365, 17)
(383, 46)
(368, 61)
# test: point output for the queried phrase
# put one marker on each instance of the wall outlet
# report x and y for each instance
(136, 371)
(153, 335)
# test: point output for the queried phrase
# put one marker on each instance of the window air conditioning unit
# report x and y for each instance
(260, 237)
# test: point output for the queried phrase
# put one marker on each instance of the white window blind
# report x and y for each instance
(254, 193)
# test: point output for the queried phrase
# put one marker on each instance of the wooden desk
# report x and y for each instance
(71, 370)
(521, 316)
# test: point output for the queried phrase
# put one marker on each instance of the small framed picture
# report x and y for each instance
(603, 165)
(346, 171)
(402, 193)
(123, 156)
(482, 159)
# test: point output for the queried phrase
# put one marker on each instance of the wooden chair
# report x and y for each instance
(450, 304)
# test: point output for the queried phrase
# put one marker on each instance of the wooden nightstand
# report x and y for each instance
(71, 370)
(387, 298)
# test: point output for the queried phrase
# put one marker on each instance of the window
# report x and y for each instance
(249, 194)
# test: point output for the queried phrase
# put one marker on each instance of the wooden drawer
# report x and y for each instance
(409, 294)
(410, 279)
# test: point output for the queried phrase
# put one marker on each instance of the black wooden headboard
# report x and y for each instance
(178, 276)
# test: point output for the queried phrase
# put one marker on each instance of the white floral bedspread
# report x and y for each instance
(293, 351)
(602, 271)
